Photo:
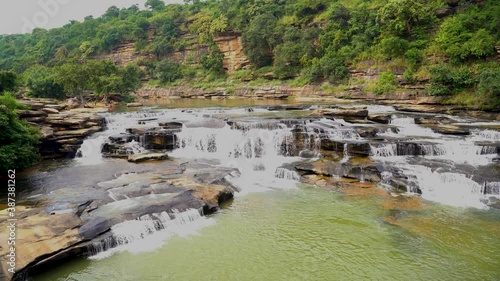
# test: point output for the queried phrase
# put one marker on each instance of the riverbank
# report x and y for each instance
(62, 125)
(413, 99)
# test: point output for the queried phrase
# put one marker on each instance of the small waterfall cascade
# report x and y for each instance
(148, 231)
(458, 151)
(447, 188)
(407, 127)
(283, 173)
(384, 150)
(345, 158)
(89, 152)
(485, 135)
(228, 143)
(261, 145)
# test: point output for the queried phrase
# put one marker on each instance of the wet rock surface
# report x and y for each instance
(401, 157)
(64, 222)
(62, 128)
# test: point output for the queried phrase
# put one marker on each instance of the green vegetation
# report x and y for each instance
(18, 139)
(386, 83)
(295, 42)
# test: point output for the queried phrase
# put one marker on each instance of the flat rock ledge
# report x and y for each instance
(62, 127)
(138, 158)
(69, 222)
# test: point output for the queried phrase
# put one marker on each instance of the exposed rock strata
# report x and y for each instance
(69, 220)
(61, 131)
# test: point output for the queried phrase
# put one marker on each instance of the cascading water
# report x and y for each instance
(259, 147)
(485, 135)
(283, 173)
(257, 153)
(447, 188)
(407, 127)
(157, 228)
(89, 152)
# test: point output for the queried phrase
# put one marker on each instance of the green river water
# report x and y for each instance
(314, 234)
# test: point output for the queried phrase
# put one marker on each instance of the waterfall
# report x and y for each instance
(447, 188)
(385, 150)
(90, 151)
(407, 127)
(228, 143)
(256, 153)
(283, 173)
(136, 147)
(346, 153)
(148, 232)
(458, 151)
(485, 135)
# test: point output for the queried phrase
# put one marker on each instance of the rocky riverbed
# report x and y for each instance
(150, 167)
(62, 126)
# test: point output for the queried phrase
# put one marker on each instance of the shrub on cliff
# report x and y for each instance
(386, 83)
(489, 81)
(446, 80)
(18, 140)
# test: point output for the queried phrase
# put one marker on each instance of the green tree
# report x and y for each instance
(155, 5)
(40, 81)
(167, 71)
(74, 78)
(18, 149)
(213, 59)
(260, 39)
(8, 81)
(400, 16)
(458, 39)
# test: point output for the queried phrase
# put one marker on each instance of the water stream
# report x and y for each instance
(280, 229)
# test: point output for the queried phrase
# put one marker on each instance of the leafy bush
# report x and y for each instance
(8, 81)
(414, 56)
(334, 69)
(213, 60)
(446, 80)
(18, 139)
(393, 47)
(168, 71)
(386, 83)
(489, 81)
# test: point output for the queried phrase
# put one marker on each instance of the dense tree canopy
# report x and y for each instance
(309, 40)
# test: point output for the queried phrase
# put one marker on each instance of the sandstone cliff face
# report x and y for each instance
(124, 54)
(229, 44)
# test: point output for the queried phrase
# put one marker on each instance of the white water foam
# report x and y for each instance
(283, 173)
(447, 188)
(149, 232)
(407, 127)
